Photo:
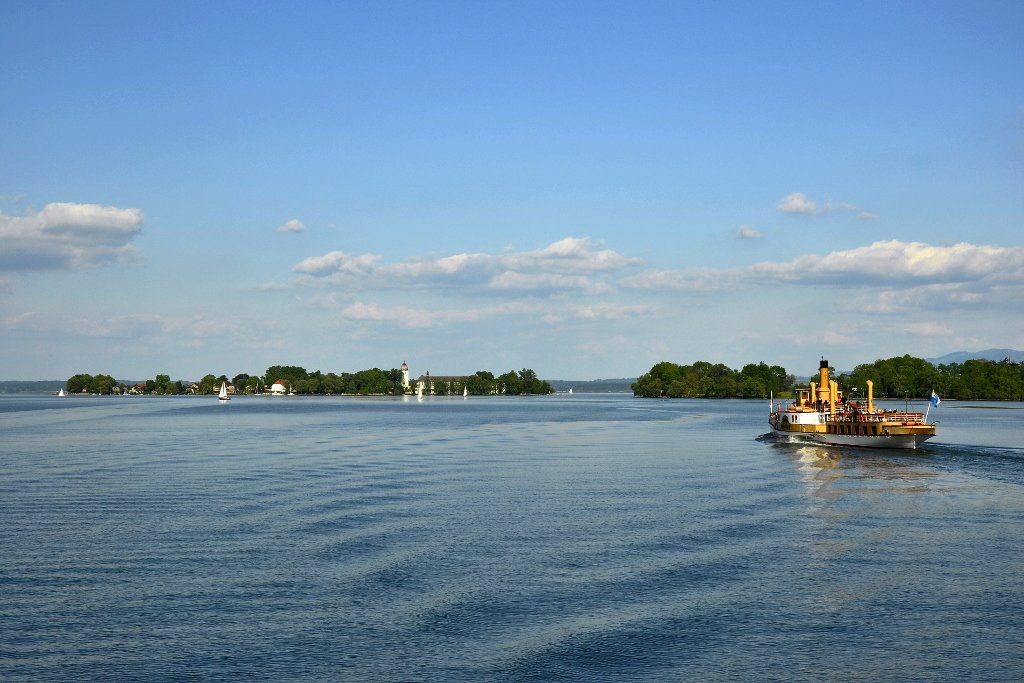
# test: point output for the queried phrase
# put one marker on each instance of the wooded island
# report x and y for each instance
(296, 380)
(897, 378)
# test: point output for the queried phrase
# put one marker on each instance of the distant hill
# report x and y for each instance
(593, 386)
(45, 386)
(49, 386)
(988, 354)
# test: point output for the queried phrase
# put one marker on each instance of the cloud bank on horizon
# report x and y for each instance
(570, 280)
(887, 264)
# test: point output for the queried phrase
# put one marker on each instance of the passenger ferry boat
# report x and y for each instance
(821, 414)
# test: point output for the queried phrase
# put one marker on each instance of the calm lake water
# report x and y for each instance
(566, 538)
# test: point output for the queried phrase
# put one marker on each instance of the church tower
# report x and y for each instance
(405, 376)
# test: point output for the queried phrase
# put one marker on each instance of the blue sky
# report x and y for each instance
(581, 188)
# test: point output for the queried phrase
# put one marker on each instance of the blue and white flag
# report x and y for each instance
(935, 399)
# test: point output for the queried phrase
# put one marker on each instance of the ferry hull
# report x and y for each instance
(900, 441)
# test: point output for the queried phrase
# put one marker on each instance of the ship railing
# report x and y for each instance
(902, 417)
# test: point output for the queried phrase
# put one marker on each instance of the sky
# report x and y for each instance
(580, 188)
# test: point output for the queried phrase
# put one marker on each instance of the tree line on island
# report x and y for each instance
(898, 377)
(372, 382)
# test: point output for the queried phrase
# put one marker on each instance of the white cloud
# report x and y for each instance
(334, 262)
(443, 267)
(797, 202)
(294, 225)
(563, 283)
(108, 221)
(569, 255)
(881, 264)
(747, 232)
(568, 264)
(895, 262)
(67, 236)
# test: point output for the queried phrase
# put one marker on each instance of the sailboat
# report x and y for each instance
(419, 392)
(465, 392)
(61, 392)
(223, 395)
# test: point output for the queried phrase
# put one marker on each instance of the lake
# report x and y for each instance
(561, 538)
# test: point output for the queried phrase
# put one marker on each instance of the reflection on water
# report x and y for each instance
(824, 467)
(816, 466)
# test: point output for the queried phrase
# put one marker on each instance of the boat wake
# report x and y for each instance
(994, 463)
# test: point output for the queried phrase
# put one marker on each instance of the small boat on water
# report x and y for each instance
(61, 392)
(821, 414)
(223, 394)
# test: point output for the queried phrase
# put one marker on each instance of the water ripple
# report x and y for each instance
(600, 539)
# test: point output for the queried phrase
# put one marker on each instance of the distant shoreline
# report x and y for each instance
(598, 386)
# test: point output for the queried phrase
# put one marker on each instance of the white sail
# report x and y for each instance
(61, 392)
(223, 395)
(465, 392)
(419, 391)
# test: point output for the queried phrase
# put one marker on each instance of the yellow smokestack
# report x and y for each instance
(871, 404)
(814, 394)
